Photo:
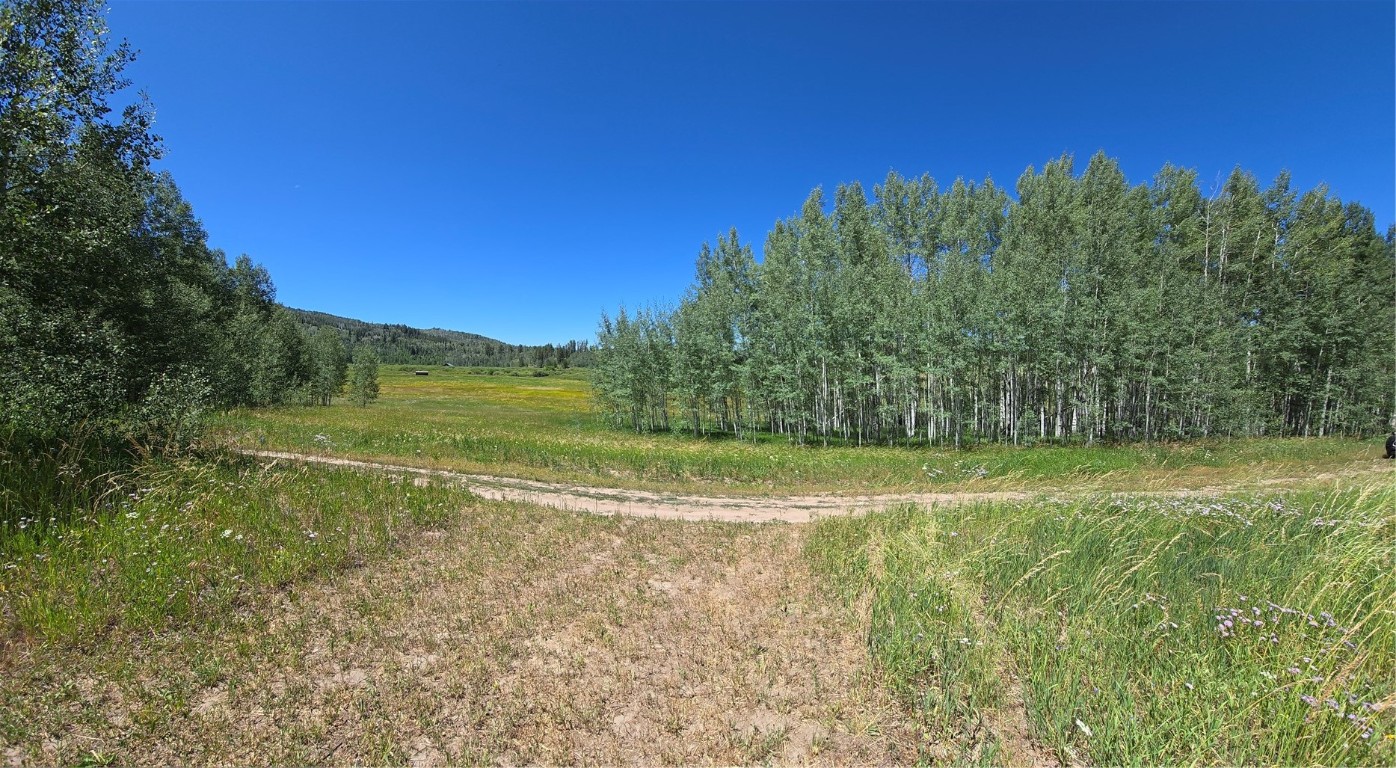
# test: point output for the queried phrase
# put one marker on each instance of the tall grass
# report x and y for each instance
(1146, 630)
(51, 478)
(192, 538)
(924, 624)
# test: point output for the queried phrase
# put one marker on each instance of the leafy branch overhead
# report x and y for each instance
(108, 288)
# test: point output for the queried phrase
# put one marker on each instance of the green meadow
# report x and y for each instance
(186, 541)
(512, 422)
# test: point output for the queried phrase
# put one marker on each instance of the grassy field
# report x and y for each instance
(542, 428)
(189, 540)
(225, 609)
(1139, 631)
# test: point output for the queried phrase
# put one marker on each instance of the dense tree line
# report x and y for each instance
(403, 345)
(116, 317)
(1085, 309)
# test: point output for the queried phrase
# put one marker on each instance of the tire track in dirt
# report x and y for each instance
(1009, 722)
(730, 509)
(663, 506)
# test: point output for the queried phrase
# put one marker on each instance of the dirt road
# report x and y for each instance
(738, 509)
(663, 506)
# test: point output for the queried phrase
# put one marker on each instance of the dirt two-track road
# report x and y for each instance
(662, 506)
(727, 509)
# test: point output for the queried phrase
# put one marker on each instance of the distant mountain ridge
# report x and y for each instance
(398, 344)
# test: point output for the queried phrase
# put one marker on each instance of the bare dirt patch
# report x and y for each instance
(520, 636)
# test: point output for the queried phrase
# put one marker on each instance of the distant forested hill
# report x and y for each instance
(401, 344)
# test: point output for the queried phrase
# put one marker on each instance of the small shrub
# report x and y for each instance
(170, 418)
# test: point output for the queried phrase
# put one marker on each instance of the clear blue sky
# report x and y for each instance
(512, 169)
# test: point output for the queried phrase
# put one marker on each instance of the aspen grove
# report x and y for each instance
(1085, 309)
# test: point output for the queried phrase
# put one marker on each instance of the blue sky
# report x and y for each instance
(512, 169)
